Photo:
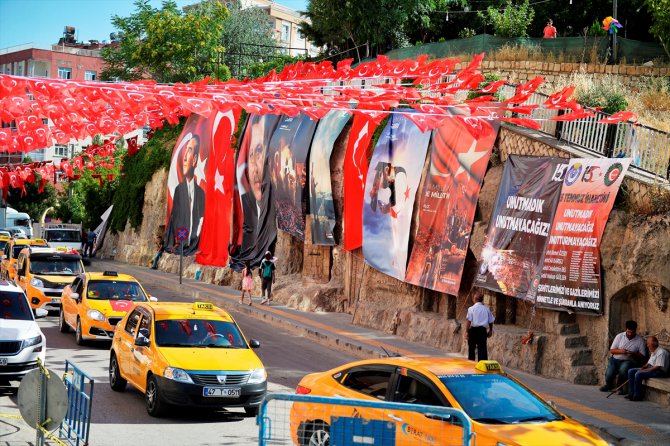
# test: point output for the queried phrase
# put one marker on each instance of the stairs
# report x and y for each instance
(581, 369)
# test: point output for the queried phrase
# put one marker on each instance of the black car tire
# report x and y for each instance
(317, 434)
(152, 397)
(63, 327)
(251, 411)
(78, 337)
(116, 381)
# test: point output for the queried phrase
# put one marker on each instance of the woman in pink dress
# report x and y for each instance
(247, 282)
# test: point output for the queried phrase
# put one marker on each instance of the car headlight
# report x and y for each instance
(177, 375)
(37, 282)
(32, 341)
(96, 315)
(257, 376)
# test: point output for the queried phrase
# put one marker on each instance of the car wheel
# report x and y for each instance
(78, 337)
(155, 406)
(63, 327)
(318, 434)
(251, 411)
(116, 382)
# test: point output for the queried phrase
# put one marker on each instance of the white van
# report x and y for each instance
(21, 219)
(21, 340)
(63, 235)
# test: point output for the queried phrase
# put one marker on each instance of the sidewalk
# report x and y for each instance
(615, 418)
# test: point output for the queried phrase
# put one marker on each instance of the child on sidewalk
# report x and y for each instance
(247, 282)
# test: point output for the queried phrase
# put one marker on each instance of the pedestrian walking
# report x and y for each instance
(478, 328)
(267, 273)
(90, 243)
(247, 282)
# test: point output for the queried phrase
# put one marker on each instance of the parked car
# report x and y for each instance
(21, 340)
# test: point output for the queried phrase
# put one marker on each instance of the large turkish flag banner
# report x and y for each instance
(219, 191)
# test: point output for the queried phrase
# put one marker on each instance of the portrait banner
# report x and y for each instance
(355, 173)
(186, 185)
(571, 275)
(287, 157)
(215, 236)
(459, 154)
(321, 205)
(512, 257)
(390, 190)
(258, 232)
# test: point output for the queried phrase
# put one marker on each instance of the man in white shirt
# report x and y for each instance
(478, 328)
(657, 366)
(627, 351)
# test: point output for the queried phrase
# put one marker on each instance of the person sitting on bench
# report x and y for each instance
(657, 366)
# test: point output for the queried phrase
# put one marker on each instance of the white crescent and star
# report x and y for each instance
(467, 159)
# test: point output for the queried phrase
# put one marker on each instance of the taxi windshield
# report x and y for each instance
(497, 399)
(115, 290)
(60, 267)
(198, 333)
(17, 250)
(14, 306)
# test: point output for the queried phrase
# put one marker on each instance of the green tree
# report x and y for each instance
(363, 28)
(660, 13)
(167, 44)
(512, 21)
(247, 38)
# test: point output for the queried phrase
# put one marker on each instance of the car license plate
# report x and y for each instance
(224, 392)
(3, 361)
(55, 300)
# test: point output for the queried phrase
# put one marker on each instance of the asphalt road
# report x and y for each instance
(121, 418)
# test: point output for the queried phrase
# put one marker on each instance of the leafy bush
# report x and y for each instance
(513, 21)
(601, 96)
(466, 33)
(260, 69)
(137, 172)
(596, 29)
(488, 78)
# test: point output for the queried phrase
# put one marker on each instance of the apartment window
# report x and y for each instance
(65, 73)
(285, 32)
(61, 150)
(19, 68)
(90, 75)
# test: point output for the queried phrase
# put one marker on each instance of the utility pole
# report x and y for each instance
(614, 35)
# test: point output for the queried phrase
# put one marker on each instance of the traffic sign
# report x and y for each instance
(182, 234)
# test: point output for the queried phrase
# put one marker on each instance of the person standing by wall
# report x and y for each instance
(267, 273)
(478, 327)
(549, 30)
(247, 282)
(161, 248)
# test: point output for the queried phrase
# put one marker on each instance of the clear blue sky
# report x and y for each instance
(41, 22)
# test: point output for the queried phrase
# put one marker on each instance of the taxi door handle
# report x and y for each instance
(393, 417)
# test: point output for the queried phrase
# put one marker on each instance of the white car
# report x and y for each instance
(21, 340)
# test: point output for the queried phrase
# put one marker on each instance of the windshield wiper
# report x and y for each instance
(491, 420)
(175, 345)
(537, 418)
(217, 346)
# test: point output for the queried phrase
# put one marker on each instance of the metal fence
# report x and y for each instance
(288, 419)
(75, 428)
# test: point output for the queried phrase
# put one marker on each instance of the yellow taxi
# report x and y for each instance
(502, 410)
(95, 302)
(183, 354)
(11, 253)
(43, 273)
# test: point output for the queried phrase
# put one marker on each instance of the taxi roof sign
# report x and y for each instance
(488, 366)
(203, 306)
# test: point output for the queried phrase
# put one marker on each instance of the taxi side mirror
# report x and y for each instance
(75, 296)
(4, 257)
(142, 341)
(153, 299)
(40, 313)
(254, 343)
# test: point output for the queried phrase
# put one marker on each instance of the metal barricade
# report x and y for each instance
(75, 427)
(289, 419)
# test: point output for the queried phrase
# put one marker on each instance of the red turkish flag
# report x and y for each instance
(66, 168)
(215, 236)
(132, 145)
(355, 172)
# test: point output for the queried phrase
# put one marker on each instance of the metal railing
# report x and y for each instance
(291, 419)
(76, 426)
